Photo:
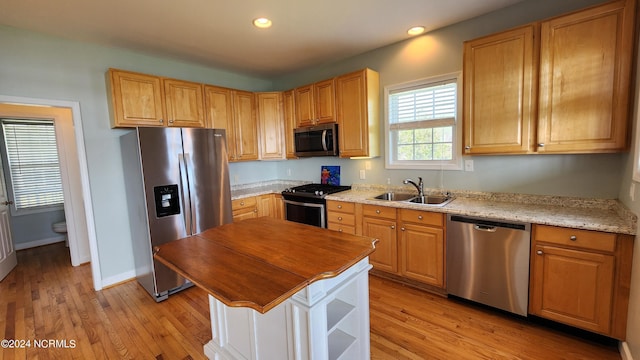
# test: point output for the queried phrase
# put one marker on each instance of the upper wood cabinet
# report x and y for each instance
(585, 79)
(146, 100)
(315, 103)
(234, 111)
(289, 114)
(580, 69)
(357, 109)
(271, 125)
(499, 89)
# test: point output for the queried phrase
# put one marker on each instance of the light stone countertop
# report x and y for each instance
(262, 188)
(588, 214)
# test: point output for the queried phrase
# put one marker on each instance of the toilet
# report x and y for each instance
(61, 228)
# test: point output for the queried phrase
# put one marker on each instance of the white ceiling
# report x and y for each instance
(219, 33)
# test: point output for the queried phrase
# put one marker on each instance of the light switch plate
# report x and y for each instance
(362, 174)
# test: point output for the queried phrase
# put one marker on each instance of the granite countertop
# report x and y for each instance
(262, 188)
(579, 213)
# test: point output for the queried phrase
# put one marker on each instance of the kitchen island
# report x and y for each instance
(278, 289)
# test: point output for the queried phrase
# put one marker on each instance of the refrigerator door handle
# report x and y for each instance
(184, 188)
(192, 201)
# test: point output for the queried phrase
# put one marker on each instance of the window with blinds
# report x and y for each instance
(422, 124)
(32, 159)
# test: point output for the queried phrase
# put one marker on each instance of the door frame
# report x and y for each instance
(84, 174)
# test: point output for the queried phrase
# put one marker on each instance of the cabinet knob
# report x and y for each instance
(339, 230)
(339, 206)
(402, 228)
(377, 211)
(170, 121)
(540, 144)
(340, 218)
(241, 203)
(573, 238)
(467, 147)
(539, 252)
(393, 226)
(255, 210)
(419, 217)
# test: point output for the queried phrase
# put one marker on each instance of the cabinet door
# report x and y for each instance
(137, 99)
(324, 99)
(185, 103)
(305, 115)
(573, 287)
(265, 205)
(585, 74)
(357, 101)
(271, 125)
(499, 91)
(386, 255)
(289, 113)
(245, 126)
(422, 254)
(219, 113)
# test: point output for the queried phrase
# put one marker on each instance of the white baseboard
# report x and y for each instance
(116, 279)
(625, 352)
(36, 243)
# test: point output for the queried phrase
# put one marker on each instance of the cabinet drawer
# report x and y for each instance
(422, 217)
(244, 203)
(585, 239)
(379, 211)
(341, 218)
(341, 206)
(341, 228)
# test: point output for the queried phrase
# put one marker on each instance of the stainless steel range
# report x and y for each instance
(306, 204)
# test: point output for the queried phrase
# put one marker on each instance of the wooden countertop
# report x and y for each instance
(259, 263)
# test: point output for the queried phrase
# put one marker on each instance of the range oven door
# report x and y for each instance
(306, 212)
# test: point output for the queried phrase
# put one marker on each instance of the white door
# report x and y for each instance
(7, 253)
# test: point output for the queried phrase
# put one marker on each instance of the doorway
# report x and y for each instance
(73, 166)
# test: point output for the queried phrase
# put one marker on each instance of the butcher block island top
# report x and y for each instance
(259, 263)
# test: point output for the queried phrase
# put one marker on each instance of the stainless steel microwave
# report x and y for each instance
(320, 140)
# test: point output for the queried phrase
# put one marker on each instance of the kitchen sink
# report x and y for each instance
(430, 200)
(433, 200)
(391, 196)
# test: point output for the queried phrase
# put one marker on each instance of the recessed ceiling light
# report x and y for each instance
(262, 23)
(416, 30)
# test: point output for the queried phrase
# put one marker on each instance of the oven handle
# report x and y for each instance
(303, 204)
(324, 140)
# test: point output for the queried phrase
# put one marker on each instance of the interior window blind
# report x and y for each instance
(436, 102)
(33, 163)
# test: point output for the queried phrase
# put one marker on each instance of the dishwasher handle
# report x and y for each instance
(485, 228)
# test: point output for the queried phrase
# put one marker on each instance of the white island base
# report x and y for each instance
(329, 319)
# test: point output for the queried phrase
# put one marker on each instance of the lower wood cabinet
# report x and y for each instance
(256, 206)
(422, 245)
(245, 208)
(341, 216)
(581, 278)
(380, 222)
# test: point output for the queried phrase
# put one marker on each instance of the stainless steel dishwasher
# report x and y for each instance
(488, 262)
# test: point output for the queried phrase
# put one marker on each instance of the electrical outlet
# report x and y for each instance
(468, 165)
(288, 172)
(367, 165)
(632, 191)
(388, 181)
(362, 174)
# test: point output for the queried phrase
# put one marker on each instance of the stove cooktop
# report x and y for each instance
(315, 190)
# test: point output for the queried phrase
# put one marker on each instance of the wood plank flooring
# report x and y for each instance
(45, 298)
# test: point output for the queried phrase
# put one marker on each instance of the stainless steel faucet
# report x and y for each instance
(418, 186)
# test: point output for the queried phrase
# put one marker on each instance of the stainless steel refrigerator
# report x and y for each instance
(177, 184)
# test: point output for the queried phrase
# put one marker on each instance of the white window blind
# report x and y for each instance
(33, 163)
(422, 125)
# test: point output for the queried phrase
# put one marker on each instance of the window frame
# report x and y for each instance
(390, 145)
(15, 211)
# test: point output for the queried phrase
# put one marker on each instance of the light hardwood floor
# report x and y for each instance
(45, 298)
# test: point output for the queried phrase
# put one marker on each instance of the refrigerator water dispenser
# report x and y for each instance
(167, 200)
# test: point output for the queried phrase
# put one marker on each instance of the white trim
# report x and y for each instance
(36, 243)
(120, 278)
(625, 352)
(455, 164)
(84, 174)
